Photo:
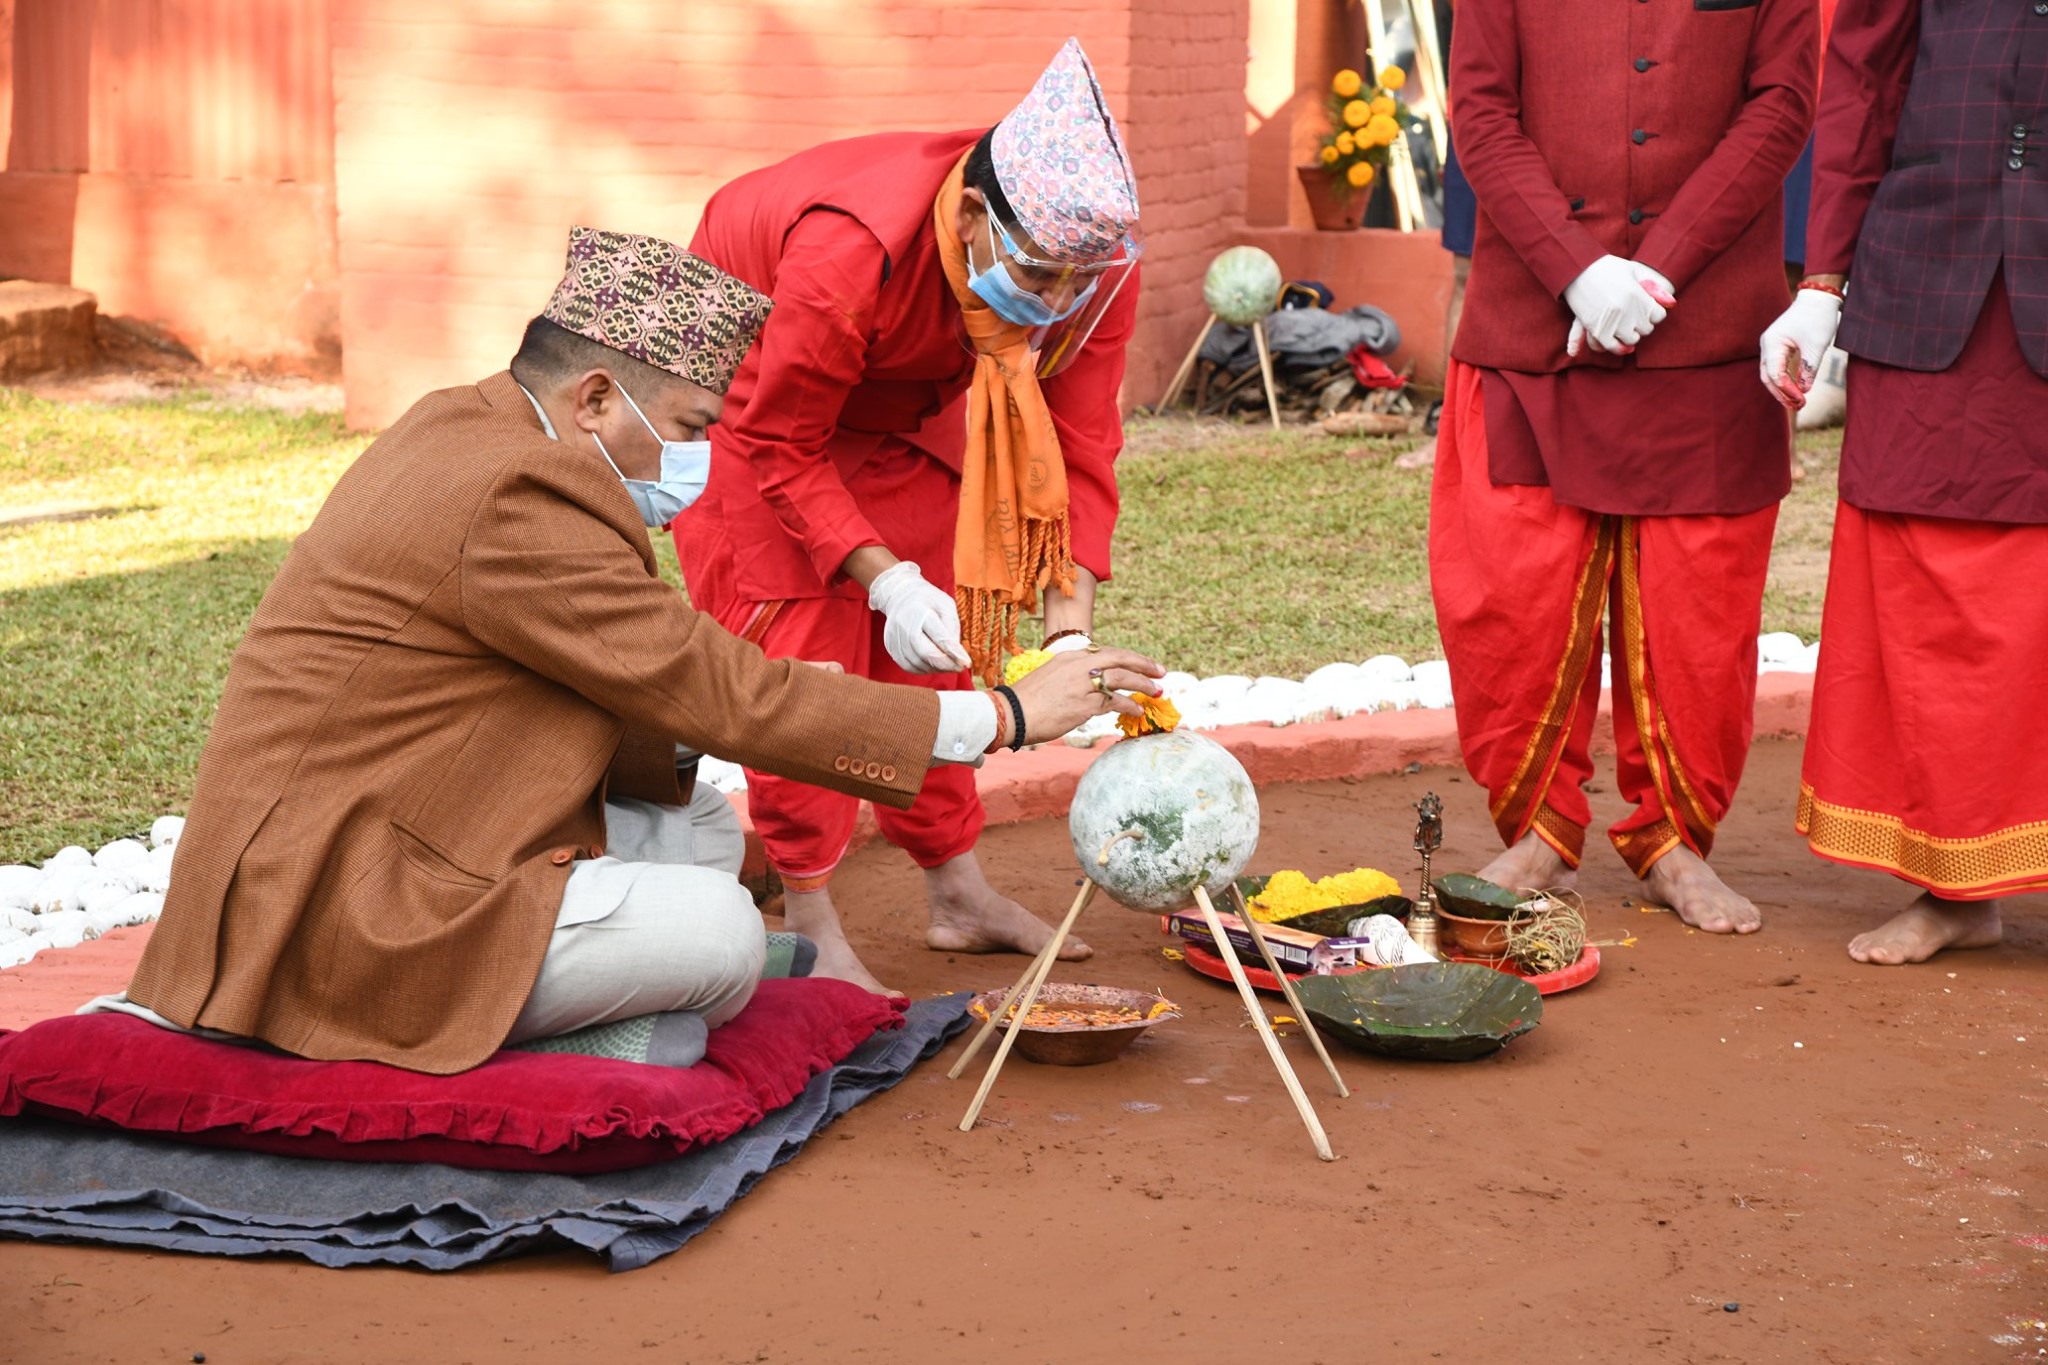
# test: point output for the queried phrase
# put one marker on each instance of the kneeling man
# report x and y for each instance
(441, 808)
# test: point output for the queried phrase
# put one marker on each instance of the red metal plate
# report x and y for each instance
(1546, 983)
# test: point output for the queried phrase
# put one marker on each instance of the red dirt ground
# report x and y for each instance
(1657, 1149)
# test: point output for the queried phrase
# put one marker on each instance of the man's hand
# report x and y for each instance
(1615, 303)
(1791, 348)
(923, 630)
(1069, 688)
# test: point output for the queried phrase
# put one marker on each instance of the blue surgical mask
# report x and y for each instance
(685, 468)
(1012, 301)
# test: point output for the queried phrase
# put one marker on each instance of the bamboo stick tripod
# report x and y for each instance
(1187, 367)
(1029, 984)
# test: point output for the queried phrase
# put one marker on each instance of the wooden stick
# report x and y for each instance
(1228, 952)
(1052, 945)
(1038, 975)
(1187, 367)
(1266, 371)
(1251, 924)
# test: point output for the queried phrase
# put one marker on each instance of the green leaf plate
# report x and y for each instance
(1433, 1011)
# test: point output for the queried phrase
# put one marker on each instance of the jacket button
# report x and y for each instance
(1635, 215)
(562, 856)
(841, 764)
(888, 773)
(2041, 7)
(2015, 163)
(874, 770)
(1639, 137)
(1642, 63)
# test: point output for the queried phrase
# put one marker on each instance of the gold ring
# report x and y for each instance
(1092, 648)
(1100, 684)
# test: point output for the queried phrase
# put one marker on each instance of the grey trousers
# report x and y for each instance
(664, 925)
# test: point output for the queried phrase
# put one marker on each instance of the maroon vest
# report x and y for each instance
(1967, 191)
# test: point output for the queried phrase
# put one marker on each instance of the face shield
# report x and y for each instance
(1081, 293)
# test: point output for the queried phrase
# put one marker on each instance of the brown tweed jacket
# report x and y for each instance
(419, 729)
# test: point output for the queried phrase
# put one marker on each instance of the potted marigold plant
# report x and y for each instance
(1364, 122)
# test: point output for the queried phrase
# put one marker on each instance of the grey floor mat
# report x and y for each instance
(67, 1184)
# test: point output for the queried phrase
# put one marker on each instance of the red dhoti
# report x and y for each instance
(1523, 586)
(805, 829)
(1927, 755)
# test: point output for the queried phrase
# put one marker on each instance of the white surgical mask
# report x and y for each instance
(685, 468)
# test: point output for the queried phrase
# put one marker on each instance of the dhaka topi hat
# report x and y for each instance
(657, 303)
(1062, 166)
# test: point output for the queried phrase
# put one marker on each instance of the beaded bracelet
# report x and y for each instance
(1016, 711)
(1002, 722)
(1060, 635)
(1821, 288)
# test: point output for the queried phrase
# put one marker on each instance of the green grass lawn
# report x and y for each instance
(1237, 551)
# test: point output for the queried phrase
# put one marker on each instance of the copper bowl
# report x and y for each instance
(1079, 1043)
(1487, 938)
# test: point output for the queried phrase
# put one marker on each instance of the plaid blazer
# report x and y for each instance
(420, 727)
(1930, 174)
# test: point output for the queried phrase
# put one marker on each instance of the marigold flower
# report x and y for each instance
(1160, 716)
(1356, 113)
(1381, 131)
(1347, 83)
(1330, 154)
(1359, 174)
(1290, 893)
(1392, 78)
(1345, 145)
(1383, 104)
(1023, 662)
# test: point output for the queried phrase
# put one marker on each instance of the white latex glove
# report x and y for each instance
(1802, 332)
(923, 630)
(1615, 303)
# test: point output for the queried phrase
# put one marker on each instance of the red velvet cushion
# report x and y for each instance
(519, 1111)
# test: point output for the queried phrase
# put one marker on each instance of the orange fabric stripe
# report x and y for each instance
(763, 617)
(2005, 862)
(1693, 826)
(1520, 801)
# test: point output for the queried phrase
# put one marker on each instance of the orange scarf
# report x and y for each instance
(1012, 537)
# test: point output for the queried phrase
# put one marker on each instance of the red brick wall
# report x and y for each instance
(175, 158)
(469, 137)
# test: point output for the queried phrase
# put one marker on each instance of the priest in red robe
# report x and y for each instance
(921, 447)
(1602, 454)
(1927, 756)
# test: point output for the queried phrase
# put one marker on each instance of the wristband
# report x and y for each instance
(1002, 722)
(1821, 288)
(1016, 710)
(1060, 635)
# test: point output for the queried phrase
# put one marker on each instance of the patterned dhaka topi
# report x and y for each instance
(657, 303)
(1061, 163)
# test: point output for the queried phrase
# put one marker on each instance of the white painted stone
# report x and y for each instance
(1273, 701)
(19, 918)
(720, 775)
(121, 853)
(1433, 683)
(1176, 683)
(71, 855)
(104, 890)
(8, 933)
(1387, 668)
(59, 889)
(65, 928)
(167, 830)
(21, 950)
(18, 885)
(156, 873)
(1778, 647)
(140, 908)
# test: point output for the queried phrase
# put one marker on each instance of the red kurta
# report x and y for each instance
(846, 427)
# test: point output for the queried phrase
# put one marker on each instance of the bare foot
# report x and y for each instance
(1926, 927)
(1682, 880)
(970, 916)
(812, 914)
(1531, 865)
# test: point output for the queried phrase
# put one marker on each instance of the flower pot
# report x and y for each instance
(1333, 210)
(1480, 938)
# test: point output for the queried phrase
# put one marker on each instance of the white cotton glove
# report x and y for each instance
(1615, 303)
(1807, 328)
(923, 630)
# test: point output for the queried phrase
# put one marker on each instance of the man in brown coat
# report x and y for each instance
(441, 806)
